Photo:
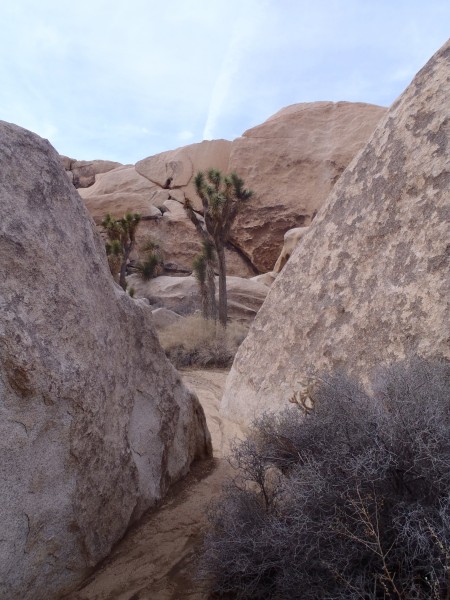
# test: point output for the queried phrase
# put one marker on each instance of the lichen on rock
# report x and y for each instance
(369, 281)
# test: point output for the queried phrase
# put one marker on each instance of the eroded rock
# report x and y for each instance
(95, 424)
(292, 162)
(369, 282)
(181, 294)
(83, 172)
(291, 239)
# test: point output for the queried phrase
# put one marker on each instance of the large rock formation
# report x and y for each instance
(82, 173)
(119, 191)
(291, 162)
(164, 219)
(176, 169)
(95, 423)
(181, 294)
(369, 282)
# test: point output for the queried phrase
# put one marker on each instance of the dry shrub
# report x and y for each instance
(194, 341)
(348, 501)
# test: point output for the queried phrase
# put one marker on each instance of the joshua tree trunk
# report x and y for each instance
(221, 198)
(123, 267)
(211, 290)
(222, 283)
(205, 299)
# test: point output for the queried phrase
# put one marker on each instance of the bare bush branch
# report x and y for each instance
(347, 499)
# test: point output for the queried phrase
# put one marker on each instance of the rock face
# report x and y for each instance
(119, 191)
(180, 294)
(291, 239)
(123, 190)
(82, 173)
(369, 282)
(291, 162)
(176, 169)
(95, 423)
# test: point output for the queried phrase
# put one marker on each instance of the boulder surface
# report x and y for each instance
(181, 294)
(369, 281)
(291, 161)
(95, 424)
(82, 173)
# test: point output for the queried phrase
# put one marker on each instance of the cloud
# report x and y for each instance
(128, 80)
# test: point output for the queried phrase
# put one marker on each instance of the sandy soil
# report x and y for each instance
(156, 558)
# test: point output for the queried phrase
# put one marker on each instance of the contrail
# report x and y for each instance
(243, 30)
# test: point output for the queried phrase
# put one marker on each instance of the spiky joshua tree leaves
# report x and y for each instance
(152, 263)
(222, 197)
(121, 240)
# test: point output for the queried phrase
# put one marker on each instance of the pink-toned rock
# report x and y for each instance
(119, 191)
(176, 168)
(181, 294)
(84, 171)
(291, 239)
(292, 162)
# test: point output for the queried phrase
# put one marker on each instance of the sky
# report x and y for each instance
(123, 80)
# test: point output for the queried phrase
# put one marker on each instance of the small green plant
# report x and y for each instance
(121, 234)
(152, 264)
(132, 292)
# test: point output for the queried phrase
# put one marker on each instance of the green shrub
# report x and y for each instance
(153, 263)
(348, 500)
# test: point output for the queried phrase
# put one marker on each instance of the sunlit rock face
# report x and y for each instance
(95, 423)
(291, 162)
(369, 282)
(82, 173)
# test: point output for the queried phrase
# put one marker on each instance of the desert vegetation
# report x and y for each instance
(152, 263)
(222, 196)
(195, 341)
(347, 497)
(121, 234)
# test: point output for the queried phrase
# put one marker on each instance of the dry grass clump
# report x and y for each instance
(194, 341)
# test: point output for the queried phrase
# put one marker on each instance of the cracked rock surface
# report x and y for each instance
(95, 424)
(369, 282)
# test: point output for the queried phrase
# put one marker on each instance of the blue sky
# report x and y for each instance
(124, 80)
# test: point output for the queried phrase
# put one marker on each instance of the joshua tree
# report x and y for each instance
(121, 239)
(222, 197)
(153, 263)
(203, 265)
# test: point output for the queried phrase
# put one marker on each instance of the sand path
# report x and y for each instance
(156, 558)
